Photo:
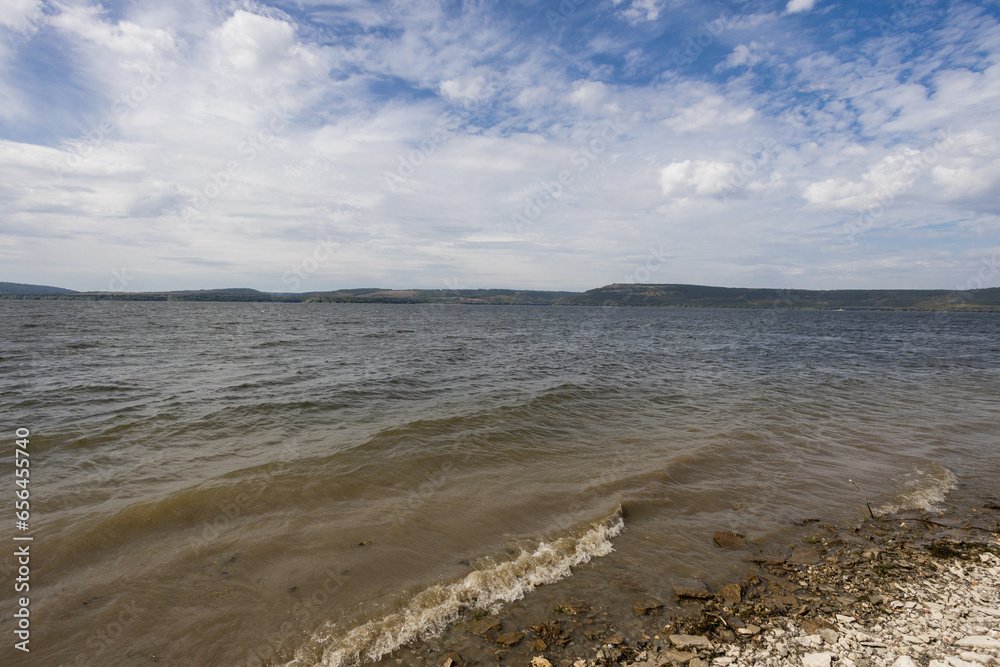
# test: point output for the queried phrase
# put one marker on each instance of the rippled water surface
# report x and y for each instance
(236, 484)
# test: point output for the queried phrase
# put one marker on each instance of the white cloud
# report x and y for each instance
(835, 131)
(795, 6)
(470, 88)
(710, 112)
(641, 10)
(969, 168)
(699, 177)
(892, 176)
(744, 55)
(124, 39)
(18, 14)
(533, 96)
(588, 94)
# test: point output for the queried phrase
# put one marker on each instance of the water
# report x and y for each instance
(314, 484)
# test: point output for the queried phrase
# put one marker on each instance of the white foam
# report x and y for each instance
(922, 488)
(432, 610)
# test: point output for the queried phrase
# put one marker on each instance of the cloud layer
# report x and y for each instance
(532, 144)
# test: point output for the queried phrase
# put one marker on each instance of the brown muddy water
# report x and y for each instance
(320, 484)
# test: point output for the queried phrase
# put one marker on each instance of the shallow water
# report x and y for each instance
(230, 484)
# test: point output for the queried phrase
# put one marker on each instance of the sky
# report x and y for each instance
(307, 146)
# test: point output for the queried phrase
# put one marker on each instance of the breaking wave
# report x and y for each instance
(435, 608)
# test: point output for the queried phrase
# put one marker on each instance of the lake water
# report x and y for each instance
(317, 484)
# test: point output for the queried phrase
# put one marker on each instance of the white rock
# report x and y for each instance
(845, 619)
(723, 662)
(690, 641)
(904, 661)
(828, 635)
(958, 662)
(988, 611)
(975, 657)
(817, 659)
(979, 641)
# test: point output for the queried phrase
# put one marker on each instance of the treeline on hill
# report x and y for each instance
(623, 295)
(458, 296)
(700, 296)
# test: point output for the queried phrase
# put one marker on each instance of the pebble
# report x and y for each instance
(979, 641)
(817, 659)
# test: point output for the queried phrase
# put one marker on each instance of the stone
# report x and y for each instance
(731, 593)
(958, 662)
(812, 626)
(510, 638)
(539, 661)
(968, 656)
(817, 659)
(828, 635)
(691, 588)
(614, 639)
(730, 540)
(452, 659)
(669, 655)
(647, 607)
(539, 645)
(804, 556)
(978, 641)
(690, 641)
(482, 626)
(697, 662)
(904, 661)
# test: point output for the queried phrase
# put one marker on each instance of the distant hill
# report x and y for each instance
(627, 295)
(701, 296)
(21, 288)
(468, 296)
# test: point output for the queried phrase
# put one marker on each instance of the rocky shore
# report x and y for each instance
(902, 590)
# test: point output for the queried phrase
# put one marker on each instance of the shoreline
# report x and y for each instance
(911, 588)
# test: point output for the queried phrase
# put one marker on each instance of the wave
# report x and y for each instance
(488, 588)
(921, 488)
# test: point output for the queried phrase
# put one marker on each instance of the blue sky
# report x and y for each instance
(301, 146)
